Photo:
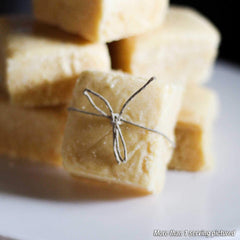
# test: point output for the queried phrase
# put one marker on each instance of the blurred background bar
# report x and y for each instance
(224, 14)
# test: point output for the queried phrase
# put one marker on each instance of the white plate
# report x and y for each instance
(40, 203)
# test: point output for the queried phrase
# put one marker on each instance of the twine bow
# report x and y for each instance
(117, 120)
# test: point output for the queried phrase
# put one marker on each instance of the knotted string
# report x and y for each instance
(117, 120)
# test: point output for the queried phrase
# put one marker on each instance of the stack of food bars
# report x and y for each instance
(112, 48)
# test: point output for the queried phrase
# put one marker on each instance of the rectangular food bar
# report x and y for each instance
(183, 49)
(40, 64)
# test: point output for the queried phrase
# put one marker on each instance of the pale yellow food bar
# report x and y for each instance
(194, 130)
(182, 49)
(36, 134)
(40, 64)
(102, 20)
(88, 140)
(31, 134)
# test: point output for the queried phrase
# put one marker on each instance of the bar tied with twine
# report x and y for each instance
(117, 120)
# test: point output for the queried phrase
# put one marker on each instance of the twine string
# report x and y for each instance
(136, 93)
(117, 120)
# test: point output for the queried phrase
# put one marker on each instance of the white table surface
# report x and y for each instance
(38, 203)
